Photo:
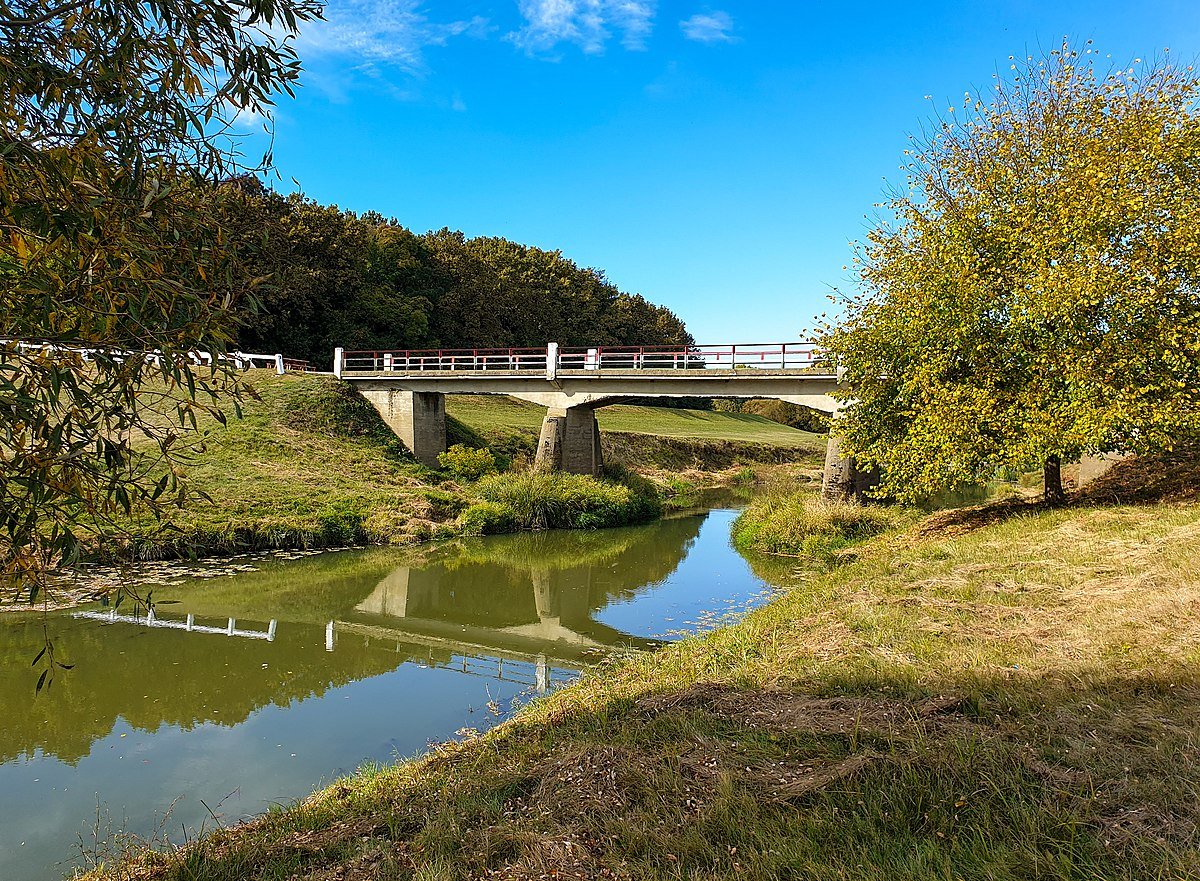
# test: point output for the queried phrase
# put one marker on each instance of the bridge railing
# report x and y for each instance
(196, 357)
(412, 360)
(766, 356)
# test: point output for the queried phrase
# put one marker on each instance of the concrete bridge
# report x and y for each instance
(409, 390)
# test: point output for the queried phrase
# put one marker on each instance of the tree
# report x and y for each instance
(115, 143)
(366, 282)
(1034, 295)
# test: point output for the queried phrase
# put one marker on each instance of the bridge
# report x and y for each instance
(409, 388)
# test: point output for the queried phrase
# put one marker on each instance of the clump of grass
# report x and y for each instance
(803, 525)
(551, 500)
(745, 477)
(487, 518)
(467, 463)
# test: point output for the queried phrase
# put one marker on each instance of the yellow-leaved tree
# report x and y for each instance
(1034, 294)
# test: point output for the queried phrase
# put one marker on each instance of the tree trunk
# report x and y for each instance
(1052, 491)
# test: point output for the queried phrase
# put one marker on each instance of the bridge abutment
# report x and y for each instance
(417, 418)
(570, 441)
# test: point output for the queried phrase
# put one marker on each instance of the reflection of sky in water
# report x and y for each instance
(240, 724)
(711, 581)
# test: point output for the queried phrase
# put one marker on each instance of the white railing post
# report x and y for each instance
(279, 368)
(339, 356)
(551, 361)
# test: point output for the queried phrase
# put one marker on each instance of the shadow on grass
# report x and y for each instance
(1089, 776)
(1144, 480)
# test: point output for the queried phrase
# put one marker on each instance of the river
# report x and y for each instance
(334, 661)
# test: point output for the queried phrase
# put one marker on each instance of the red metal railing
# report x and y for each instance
(766, 356)
(410, 360)
(770, 356)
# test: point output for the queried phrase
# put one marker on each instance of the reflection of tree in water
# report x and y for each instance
(166, 677)
(510, 580)
(153, 678)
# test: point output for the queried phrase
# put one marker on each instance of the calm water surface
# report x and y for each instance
(374, 654)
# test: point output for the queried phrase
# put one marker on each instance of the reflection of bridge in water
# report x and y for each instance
(520, 608)
(151, 619)
(415, 607)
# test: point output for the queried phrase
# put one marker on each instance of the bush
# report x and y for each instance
(804, 525)
(488, 518)
(553, 500)
(467, 464)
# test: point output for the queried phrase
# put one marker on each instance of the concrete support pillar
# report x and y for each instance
(843, 480)
(581, 443)
(390, 596)
(545, 597)
(417, 418)
(550, 441)
(570, 441)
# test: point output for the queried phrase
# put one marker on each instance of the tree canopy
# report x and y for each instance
(114, 134)
(366, 282)
(1033, 295)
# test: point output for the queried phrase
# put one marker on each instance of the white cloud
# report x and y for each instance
(708, 27)
(374, 32)
(587, 23)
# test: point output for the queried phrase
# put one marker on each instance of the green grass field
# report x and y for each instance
(485, 413)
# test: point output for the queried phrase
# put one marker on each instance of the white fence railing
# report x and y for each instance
(240, 360)
(553, 359)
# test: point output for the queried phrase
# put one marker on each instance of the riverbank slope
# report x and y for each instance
(310, 464)
(1004, 692)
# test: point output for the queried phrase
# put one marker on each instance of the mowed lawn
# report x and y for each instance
(482, 413)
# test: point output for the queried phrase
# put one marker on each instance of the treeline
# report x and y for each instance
(335, 278)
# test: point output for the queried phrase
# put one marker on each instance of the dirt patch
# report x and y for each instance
(783, 711)
(1127, 826)
(1165, 477)
(780, 779)
(594, 781)
(334, 835)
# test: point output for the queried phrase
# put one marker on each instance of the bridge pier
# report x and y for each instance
(417, 418)
(570, 441)
(843, 481)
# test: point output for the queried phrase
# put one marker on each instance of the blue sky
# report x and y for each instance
(717, 158)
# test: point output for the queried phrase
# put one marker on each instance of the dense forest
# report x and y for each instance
(365, 282)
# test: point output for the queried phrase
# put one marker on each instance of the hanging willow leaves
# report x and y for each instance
(115, 144)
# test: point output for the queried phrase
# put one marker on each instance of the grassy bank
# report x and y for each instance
(312, 465)
(787, 522)
(1004, 693)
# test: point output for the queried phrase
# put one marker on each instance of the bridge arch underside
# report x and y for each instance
(414, 407)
